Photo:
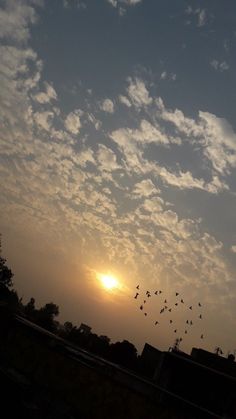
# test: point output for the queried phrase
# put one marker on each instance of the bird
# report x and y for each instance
(144, 301)
(190, 307)
(185, 332)
(161, 311)
(171, 321)
(180, 339)
(175, 330)
(191, 322)
(199, 304)
(149, 295)
(156, 292)
(200, 317)
(137, 287)
(145, 314)
(166, 307)
(136, 296)
(160, 292)
(165, 301)
(176, 294)
(141, 307)
(201, 336)
(187, 321)
(182, 301)
(169, 310)
(176, 304)
(156, 322)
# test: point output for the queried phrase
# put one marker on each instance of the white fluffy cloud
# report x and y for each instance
(138, 93)
(15, 19)
(145, 188)
(107, 158)
(47, 96)
(124, 100)
(72, 121)
(107, 106)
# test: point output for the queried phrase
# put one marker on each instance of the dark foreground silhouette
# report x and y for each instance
(48, 370)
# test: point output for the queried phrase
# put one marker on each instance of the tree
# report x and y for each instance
(124, 353)
(30, 308)
(218, 351)
(45, 316)
(6, 274)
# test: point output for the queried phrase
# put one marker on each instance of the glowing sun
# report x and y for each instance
(108, 281)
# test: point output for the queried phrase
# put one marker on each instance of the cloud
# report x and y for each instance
(107, 106)
(49, 179)
(145, 188)
(44, 119)
(166, 76)
(47, 96)
(219, 66)
(15, 20)
(74, 3)
(138, 93)
(124, 100)
(72, 121)
(117, 3)
(107, 158)
(219, 142)
(201, 15)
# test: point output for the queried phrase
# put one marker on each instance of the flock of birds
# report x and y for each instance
(165, 307)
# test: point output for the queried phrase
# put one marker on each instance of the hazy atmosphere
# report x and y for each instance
(118, 164)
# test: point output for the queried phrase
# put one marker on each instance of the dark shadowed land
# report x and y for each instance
(48, 370)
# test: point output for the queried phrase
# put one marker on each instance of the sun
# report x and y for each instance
(108, 281)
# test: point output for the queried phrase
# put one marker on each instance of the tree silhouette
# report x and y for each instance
(45, 316)
(218, 351)
(124, 353)
(30, 309)
(6, 274)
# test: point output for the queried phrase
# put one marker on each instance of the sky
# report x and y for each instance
(118, 157)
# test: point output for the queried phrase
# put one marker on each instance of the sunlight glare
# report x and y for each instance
(108, 281)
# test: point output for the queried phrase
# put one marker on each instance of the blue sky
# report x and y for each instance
(118, 155)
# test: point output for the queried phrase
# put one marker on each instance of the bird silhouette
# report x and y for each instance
(199, 304)
(165, 301)
(175, 330)
(169, 310)
(176, 294)
(176, 304)
(160, 292)
(149, 295)
(191, 322)
(156, 322)
(185, 332)
(201, 336)
(136, 296)
(171, 321)
(187, 321)
(156, 292)
(137, 287)
(145, 314)
(190, 307)
(200, 317)
(182, 301)
(144, 301)
(141, 307)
